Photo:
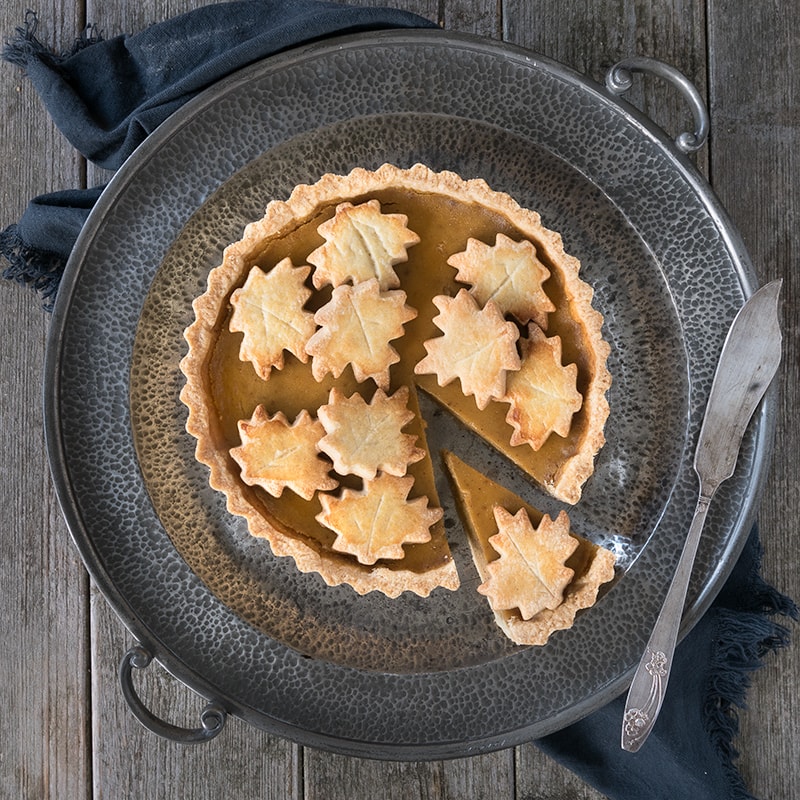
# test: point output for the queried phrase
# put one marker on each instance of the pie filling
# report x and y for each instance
(591, 565)
(444, 212)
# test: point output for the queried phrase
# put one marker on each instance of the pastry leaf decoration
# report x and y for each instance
(478, 347)
(530, 573)
(376, 522)
(361, 243)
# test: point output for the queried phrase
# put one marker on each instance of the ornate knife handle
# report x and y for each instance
(619, 80)
(649, 685)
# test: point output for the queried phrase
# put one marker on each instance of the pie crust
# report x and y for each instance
(433, 216)
(477, 498)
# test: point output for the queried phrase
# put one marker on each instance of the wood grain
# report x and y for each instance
(45, 748)
(755, 171)
(74, 737)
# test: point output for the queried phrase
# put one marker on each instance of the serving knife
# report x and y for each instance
(748, 362)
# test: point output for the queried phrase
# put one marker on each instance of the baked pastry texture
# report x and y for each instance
(321, 325)
(537, 574)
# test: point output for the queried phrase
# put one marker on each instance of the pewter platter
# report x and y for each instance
(412, 677)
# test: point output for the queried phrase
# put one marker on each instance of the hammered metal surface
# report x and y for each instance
(410, 677)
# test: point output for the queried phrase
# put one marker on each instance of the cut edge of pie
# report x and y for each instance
(333, 568)
(476, 498)
(280, 219)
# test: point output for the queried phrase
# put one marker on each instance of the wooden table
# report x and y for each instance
(67, 732)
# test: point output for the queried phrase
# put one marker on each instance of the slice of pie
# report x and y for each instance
(552, 582)
(378, 245)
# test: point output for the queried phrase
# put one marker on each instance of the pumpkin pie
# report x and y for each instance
(537, 574)
(392, 264)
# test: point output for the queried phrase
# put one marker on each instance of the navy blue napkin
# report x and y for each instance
(108, 95)
(690, 754)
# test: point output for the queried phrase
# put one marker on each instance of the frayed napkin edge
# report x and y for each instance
(41, 270)
(25, 46)
(745, 638)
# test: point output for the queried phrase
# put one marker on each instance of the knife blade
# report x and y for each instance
(747, 364)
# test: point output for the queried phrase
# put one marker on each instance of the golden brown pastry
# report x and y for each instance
(372, 249)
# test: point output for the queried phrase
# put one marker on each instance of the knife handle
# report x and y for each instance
(649, 684)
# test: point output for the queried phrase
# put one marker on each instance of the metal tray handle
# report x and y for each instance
(212, 717)
(619, 79)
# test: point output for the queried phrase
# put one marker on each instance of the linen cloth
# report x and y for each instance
(106, 96)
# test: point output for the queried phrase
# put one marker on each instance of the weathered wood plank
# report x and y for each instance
(43, 610)
(755, 171)
(472, 16)
(539, 776)
(43, 614)
(130, 761)
(487, 777)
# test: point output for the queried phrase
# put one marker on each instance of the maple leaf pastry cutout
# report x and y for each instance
(478, 347)
(530, 573)
(363, 438)
(276, 455)
(375, 522)
(268, 310)
(509, 273)
(543, 393)
(361, 242)
(356, 326)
